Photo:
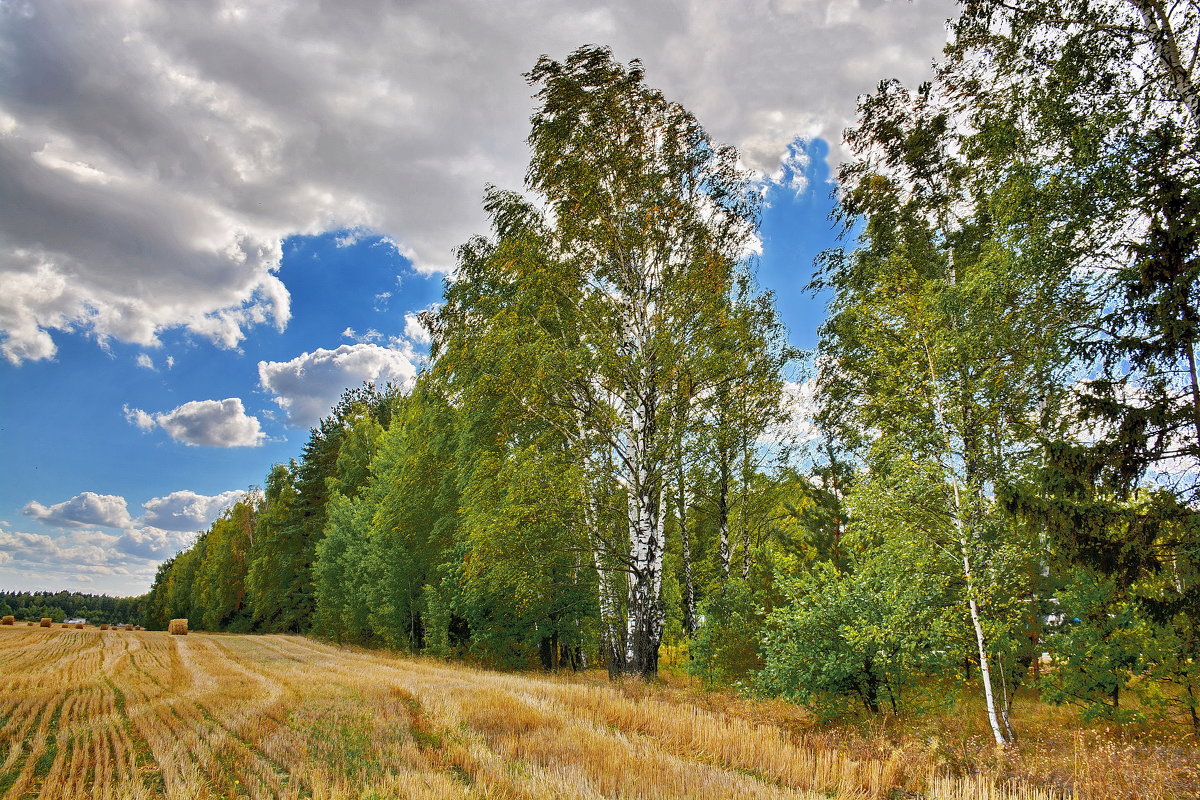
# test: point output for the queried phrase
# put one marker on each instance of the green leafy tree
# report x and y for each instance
(1101, 96)
(946, 347)
(613, 304)
(221, 578)
(277, 581)
(341, 588)
(413, 502)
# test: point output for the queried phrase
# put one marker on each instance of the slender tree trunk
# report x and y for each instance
(685, 535)
(723, 550)
(1158, 25)
(985, 670)
(745, 515)
(1195, 380)
(962, 531)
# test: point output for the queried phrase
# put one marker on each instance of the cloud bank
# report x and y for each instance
(121, 559)
(186, 510)
(156, 154)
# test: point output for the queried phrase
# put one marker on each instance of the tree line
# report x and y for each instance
(98, 609)
(599, 461)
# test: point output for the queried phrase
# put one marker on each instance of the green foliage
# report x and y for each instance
(1096, 649)
(872, 633)
(343, 598)
(725, 648)
(413, 499)
(277, 580)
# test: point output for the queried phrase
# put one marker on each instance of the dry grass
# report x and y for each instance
(177, 627)
(221, 716)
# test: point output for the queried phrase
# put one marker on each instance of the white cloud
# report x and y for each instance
(84, 509)
(153, 543)
(207, 423)
(131, 212)
(144, 361)
(307, 387)
(414, 330)
(186, 510)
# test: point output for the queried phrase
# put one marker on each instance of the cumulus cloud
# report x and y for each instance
(128, 213)
(145, 362)
(88, 508)
(206, 423)
(307, 387)
(186, 510)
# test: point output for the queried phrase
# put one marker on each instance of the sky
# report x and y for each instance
(219, 215)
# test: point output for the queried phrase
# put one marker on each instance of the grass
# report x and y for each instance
(144, 715)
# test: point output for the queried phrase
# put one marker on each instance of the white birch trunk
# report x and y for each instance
(963, 532)
(1158, 25)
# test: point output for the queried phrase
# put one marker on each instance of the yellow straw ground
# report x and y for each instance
(140, 714)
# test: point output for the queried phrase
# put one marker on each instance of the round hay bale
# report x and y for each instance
(66, 624)
(104, 627)
(46, 622)
(8, 619)
(177, 627)
(78, 626)
(30, 624)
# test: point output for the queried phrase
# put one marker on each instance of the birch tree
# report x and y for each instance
(946, 345)
(620, 283)
(1103, 96)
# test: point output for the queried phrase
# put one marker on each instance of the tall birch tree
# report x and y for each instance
(621, 282)
(945, 350)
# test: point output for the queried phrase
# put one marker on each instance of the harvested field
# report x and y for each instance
(90, 715)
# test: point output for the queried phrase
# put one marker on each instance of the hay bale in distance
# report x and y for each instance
(8, 620)
(78, 626)
(46, 622)
(177, 627)
(66, 624)
(104, 627)
(30, 624)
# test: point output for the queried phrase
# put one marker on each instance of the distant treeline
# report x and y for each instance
(95, 608)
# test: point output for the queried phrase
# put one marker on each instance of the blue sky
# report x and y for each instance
(195, 270)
